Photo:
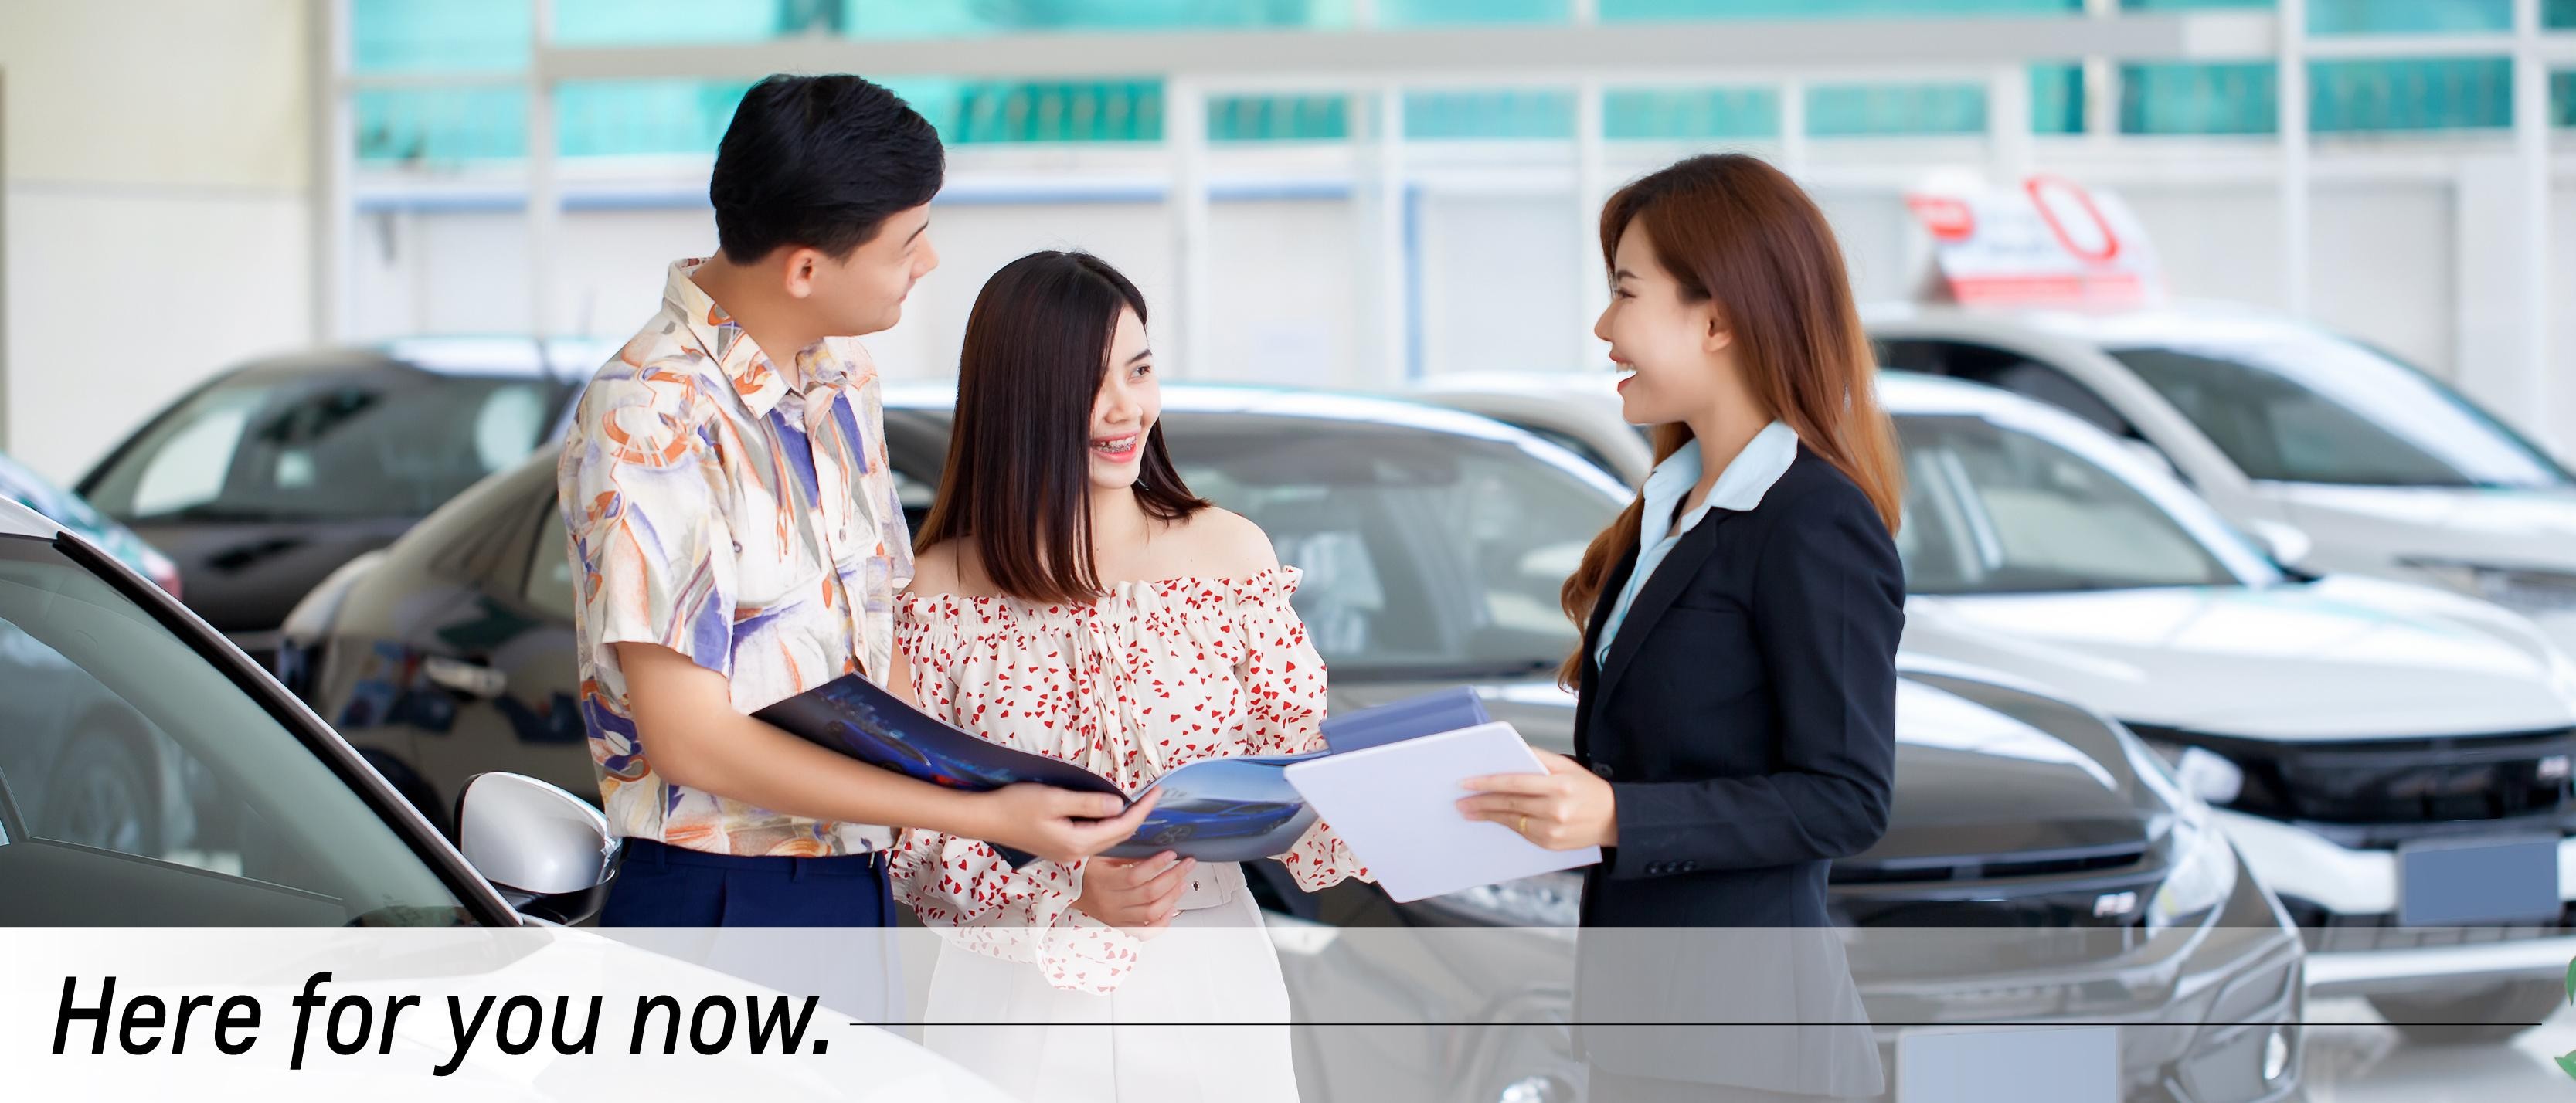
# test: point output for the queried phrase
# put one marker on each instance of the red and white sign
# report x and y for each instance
(2046, 242)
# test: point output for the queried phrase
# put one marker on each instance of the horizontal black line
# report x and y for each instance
(1506, 1026)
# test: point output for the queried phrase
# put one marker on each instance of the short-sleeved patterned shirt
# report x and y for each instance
(748, 525)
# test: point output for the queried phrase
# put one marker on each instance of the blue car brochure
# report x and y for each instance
(1215, 809)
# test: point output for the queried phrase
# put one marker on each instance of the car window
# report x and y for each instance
(2009, 371)
(187, 469)
(353, 444)
(1995, 510)
(140, 786)
(1423, 553)
(2299, 406)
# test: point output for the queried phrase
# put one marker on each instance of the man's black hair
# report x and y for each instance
(820, 162)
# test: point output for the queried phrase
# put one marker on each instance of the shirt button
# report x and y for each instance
(1601, 770)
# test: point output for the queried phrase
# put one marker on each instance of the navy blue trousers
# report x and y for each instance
(693, 906)
(669, 886)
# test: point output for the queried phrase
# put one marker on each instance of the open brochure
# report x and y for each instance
(1214, 809)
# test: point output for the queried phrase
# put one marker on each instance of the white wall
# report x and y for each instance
(158, 169)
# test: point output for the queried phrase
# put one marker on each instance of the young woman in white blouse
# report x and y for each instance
(1074, 599)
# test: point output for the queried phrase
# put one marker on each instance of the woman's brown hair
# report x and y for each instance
(1733, 230)
(1017, 485)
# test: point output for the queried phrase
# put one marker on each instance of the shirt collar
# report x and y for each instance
(1740, 487)
(754, 378)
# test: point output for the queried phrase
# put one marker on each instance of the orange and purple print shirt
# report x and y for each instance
(743, 521)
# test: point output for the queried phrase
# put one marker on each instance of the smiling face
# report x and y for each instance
(1129, 402)
(863, 292)
(1675, 350)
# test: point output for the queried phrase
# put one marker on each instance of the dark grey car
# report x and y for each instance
(268, 477)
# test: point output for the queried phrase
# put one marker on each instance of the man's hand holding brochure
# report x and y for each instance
(1387, 780)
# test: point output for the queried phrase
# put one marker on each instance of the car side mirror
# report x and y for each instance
(548, 851)
(2285, 543)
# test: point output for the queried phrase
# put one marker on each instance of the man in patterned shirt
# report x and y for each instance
(736, 538)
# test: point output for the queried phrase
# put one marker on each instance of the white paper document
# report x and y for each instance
(1397, 807)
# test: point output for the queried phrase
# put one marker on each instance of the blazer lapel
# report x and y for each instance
(1670, 576)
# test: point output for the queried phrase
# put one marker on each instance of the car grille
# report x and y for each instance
(2395, 781)
(2327, 932)
(2090, 860)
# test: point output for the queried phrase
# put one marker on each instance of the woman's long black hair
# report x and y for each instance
(1018, 480)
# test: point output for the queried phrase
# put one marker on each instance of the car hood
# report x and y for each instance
(1971, 782)
(2514, 528)
(2340, 658)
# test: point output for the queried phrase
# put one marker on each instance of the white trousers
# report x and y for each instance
(1202, 1017)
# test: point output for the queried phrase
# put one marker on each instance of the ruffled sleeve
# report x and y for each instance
(1018, 914)
(1283, 682)
(979, 901)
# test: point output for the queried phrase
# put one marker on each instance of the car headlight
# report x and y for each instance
(2519, 588)
(2204, 869)
(2201, 772)
(1547, 900)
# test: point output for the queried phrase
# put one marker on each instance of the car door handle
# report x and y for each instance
(470, 679)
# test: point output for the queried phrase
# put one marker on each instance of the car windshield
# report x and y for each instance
(1425, 554)
(377, 442)
(140, 786)
(2295, 405)
(1991, 509)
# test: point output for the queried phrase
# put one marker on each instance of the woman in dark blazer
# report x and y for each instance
(1737, 684)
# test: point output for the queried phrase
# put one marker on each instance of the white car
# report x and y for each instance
(1578, 412)
(2379, 468)
(300, 841)
(2373, 747)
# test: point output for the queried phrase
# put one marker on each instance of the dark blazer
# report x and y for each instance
(1746, 716)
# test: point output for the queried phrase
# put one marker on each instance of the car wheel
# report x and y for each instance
(2484, 1016)
(101, 796)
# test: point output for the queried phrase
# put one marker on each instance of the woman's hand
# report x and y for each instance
(1134, 892)
(1564, 809)
(1059, 825)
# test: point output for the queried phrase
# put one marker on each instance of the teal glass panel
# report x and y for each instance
(1866, 110)
(2408, 16)
(1508, 113)
(1278, 118)
(432, 126)
(2057, 99)
(416, 36)
(1645, 10)
(2428, 94)
(1456, 13)
(626, 118)
(1688, 114)
(2198, 98)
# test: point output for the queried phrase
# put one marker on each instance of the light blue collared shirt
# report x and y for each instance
(1740, 487)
